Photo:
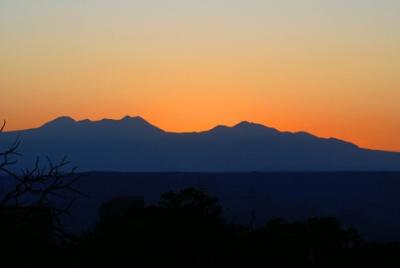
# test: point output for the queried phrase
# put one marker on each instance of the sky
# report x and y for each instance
(331, 68)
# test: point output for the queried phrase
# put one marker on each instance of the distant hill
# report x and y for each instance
(133, 144)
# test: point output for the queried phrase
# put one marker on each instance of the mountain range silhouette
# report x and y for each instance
(133, 144)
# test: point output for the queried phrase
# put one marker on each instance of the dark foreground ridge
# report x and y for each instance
(133, 144)
(187, 229)
(369, 201)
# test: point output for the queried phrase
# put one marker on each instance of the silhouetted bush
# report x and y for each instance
(187, 229)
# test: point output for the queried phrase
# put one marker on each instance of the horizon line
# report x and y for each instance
(67, 117)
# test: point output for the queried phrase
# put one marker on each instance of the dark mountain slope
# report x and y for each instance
(133, 144)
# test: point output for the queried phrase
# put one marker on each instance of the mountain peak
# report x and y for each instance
(60, 121)
(243, 124)
(128, 118)
(126, 123)
(136, 120)
(247, 125)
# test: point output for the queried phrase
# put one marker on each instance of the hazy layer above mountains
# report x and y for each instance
(133, 144)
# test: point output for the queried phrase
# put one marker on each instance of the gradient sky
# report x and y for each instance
(327, 67)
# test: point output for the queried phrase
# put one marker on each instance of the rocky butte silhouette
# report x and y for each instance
(133, 144)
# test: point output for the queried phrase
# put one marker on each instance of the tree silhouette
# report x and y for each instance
(191, 199)
(33, 200)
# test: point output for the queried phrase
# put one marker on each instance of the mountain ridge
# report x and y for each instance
(133, 144)
(67, 121)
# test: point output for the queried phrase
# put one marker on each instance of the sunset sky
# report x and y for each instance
(331, 68)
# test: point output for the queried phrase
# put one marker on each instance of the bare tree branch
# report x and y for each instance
(3, 126)
(39, 187)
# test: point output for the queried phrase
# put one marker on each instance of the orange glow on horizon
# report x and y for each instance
(190, 65)
(178, 121)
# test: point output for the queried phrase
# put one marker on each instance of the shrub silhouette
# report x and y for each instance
(183, 227)
(186, 229)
